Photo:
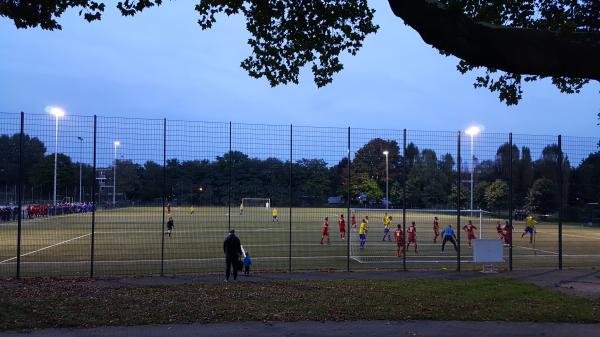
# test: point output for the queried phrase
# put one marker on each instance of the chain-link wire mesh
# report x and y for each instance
(319, 185)
(10, 125)
(581, 201)
(164, 194)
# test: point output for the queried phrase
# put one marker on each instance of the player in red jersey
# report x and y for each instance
(436, 229)
(470, 229)
(325, 231)
(500, 230)
(507, 233)
(412, 236)
(399, 235)
(353, 220)
(342, 226)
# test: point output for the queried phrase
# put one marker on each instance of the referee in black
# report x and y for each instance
(233, 251)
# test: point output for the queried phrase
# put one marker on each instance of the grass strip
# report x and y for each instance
(43, 303)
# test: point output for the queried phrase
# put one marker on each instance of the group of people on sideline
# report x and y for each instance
(33, 211)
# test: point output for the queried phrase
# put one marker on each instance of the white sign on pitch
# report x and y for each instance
(488, 251)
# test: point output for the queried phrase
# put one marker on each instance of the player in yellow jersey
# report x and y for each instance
(362, 233)
(387, 225)
(530, 228)
(275, 214)
(242, 208)
(192, 210)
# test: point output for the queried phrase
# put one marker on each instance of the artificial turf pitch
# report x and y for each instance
(131, 241)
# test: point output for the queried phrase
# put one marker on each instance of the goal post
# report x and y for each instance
(379, 250)
(256, 203)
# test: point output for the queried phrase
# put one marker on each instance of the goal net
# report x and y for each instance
(256, 202)
(381, 249)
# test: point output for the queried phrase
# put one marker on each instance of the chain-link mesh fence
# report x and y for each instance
(119, 196)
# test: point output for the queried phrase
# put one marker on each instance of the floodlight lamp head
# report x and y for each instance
(117, 143)
(56, 111)
(473, 131)
(386, 152)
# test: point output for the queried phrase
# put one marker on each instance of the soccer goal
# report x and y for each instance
(380, 249)
(256, 202)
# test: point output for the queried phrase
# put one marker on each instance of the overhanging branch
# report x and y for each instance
(513, 50)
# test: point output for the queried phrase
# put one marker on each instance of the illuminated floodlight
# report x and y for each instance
(473, 131)
(56, 111)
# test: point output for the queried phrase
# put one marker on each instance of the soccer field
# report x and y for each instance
(130, 241)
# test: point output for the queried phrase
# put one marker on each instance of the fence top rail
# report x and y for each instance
(355, 129)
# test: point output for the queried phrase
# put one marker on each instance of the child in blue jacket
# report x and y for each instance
(247, 263)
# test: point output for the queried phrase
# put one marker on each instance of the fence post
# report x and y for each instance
(290, 215)
(458, 183)
(93, 201)
(348, 216)
(162, 233)
(560, 206)
(510, 205)
(20, 194)
(404, 174)
(229, 190)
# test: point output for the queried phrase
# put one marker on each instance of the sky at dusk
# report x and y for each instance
(161, 64)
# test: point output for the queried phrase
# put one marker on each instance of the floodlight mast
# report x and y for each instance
(387, 179)
(57, 113)
(116, 144)
(472, 131)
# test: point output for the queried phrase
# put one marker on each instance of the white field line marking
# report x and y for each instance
(48, 247)
(591, 237)
(536, 249)
(410, 259)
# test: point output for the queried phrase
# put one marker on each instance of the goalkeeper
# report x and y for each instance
(449, 236)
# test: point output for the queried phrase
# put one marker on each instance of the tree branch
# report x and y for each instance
(513, 50)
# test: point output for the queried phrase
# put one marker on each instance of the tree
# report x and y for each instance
(33, 152)
(426, 182)
(42, 175)
(362, 183)
(496, 195)
(311, 181)
(585, 181)
(513, 41)
(370, 159)
(541, 197)
(479, 194)
(464, 197)
(128, 178)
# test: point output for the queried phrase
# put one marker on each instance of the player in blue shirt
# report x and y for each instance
(449, 235)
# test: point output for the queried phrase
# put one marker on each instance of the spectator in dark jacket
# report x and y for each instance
(233, 251)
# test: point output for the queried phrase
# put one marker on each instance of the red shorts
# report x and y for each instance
(471, 236)
(412, 239)
(400, 243)
(342, 229)
(436, 232)
(325, 233)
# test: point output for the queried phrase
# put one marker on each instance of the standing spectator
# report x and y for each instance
(232, 248)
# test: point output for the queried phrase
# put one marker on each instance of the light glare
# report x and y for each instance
(472, 131)
(56, 111)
